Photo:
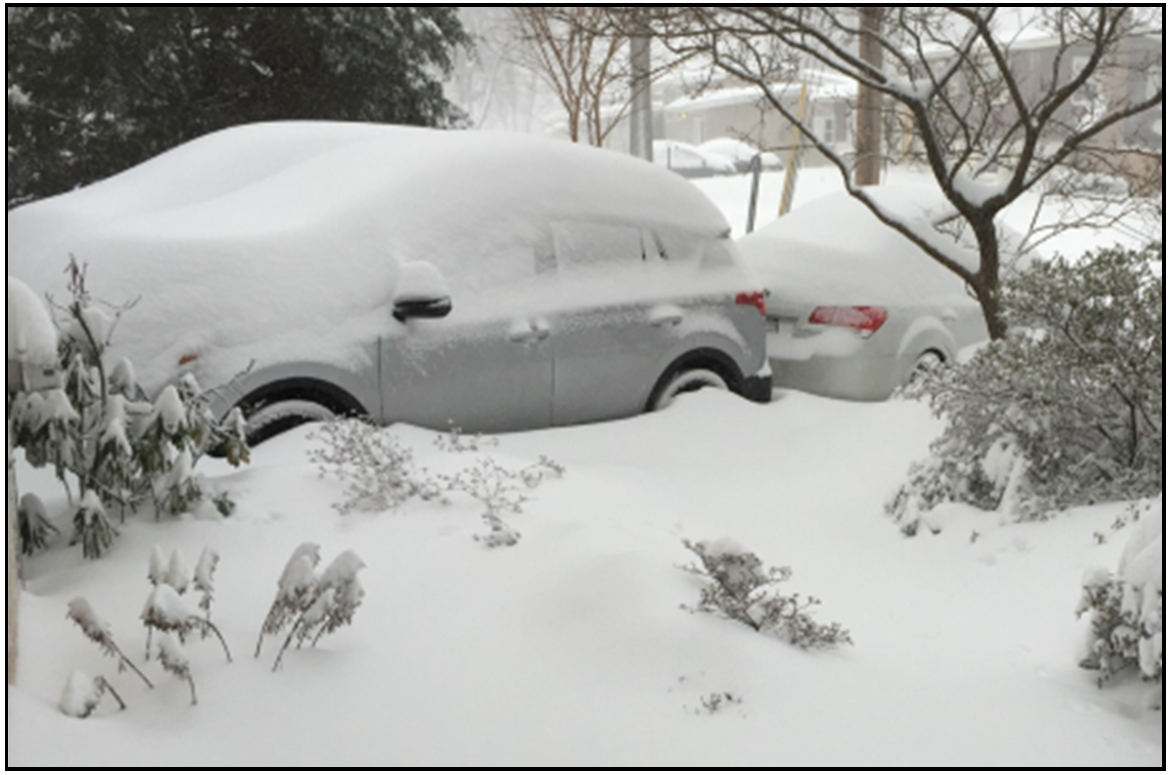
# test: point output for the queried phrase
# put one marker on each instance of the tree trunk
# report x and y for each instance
(13, 576)
(987, 288)
(867, 170)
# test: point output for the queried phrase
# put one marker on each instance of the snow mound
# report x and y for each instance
(283, 242)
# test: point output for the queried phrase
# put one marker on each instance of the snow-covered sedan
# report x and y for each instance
(493, 281)
(854, 307)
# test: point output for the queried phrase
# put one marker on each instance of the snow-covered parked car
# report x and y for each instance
(491, 281)
(741, 153)
(854, 307)
(690, 161)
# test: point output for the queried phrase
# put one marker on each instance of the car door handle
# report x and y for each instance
(666, 317)
(529, 332)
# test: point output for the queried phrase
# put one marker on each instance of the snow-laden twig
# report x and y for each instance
(97, 630)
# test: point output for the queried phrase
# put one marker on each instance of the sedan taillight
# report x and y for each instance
(864, 319)
(753, 299)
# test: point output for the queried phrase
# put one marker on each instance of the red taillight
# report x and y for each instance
(188, 359)
(866, 319)
(753, 299)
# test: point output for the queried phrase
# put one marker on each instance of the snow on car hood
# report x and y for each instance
(282, 241)
(835, 251)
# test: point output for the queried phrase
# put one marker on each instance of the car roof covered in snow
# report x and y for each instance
(293, 230)
(834, 250)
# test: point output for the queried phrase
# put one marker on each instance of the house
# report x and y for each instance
(1133, 147)
(738, 110)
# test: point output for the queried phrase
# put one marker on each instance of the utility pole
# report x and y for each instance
(867, 170)
(641, 110)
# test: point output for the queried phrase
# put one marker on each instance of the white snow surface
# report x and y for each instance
(571, 648)
(32, 338)
(284, 240)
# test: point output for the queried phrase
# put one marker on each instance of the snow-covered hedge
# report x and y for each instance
(96, 427)
(1128, 607)
(1067, 410)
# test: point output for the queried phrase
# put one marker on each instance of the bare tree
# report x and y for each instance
(988, 115)
(868, 171)
(583, 60)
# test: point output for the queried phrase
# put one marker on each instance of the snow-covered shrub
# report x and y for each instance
(82, 614)
(205, 580)
(1067, 410)
(173, 657)
(166, 612)
(312, 606)
(739, 587)
(501, 491)
(99, 428)
(34, 525)
(1127, 608)
(380, 474)
(82, 694)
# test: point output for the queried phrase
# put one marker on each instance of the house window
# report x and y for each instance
(828, 132)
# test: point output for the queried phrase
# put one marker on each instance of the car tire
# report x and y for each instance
(271, 419)
(926, 363)
(685, 380)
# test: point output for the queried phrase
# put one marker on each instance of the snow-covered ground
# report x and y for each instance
(574, 647)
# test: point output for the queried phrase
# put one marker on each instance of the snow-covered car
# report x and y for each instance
(741, 153)
(491, 281)
(690, 161)
(854, 307)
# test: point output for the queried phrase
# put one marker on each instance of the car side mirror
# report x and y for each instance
(421, 293)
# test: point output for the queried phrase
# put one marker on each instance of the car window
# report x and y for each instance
(676, 246)
(589, 245)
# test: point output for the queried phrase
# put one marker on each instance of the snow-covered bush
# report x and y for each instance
(166, 612)
(1127, 608)
(312, 606)
(99, 429)
(96, 629)
(380, 474)
(82, 694)
(1067, 410)
(739, 587)
(35, 527)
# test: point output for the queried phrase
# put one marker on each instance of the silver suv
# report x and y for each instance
(495, 282)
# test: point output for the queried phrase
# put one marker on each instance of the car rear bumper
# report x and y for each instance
(851, 378)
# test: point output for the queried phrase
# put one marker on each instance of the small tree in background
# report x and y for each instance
(585, 65)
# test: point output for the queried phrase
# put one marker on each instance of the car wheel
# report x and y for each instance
(268, 420)
(686, 380)
(927, 363)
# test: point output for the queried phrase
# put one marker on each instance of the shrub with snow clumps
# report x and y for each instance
(1067, 410)
(1127, 608)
